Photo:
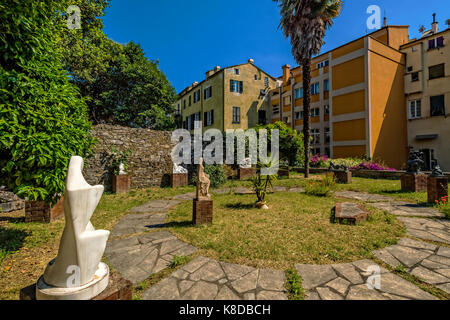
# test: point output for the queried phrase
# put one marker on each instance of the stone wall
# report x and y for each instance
(149, 164)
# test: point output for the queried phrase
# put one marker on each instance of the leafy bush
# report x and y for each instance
(260, 183)
(216, 172)
(43, 119)
(348, 162)
(320, 188)
(119, 157)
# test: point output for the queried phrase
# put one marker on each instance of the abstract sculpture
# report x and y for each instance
(179, 169)
(202, 183)
(337, 167)
(77, 273)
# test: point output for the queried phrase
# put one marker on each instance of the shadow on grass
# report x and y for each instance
(181, 224)
(240, 206)
(11, 240)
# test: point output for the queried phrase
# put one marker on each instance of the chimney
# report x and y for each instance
(286, 73)
(251, 61)
(434, 25)
(385, 22)
(194, 84)
(217, 68)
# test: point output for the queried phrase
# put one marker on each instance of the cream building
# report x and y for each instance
(427, 91)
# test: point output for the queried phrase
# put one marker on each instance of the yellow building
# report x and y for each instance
(236, 97)
(427, 89)
(357, 99)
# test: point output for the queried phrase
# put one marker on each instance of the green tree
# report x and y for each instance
(305, 22)
(43, 119)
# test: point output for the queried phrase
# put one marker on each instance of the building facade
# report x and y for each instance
(236, 97)
(427, 89)
(357, 99)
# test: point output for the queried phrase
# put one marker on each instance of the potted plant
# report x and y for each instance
(260, 184)
(121, 179)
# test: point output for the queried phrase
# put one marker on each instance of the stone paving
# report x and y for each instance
(140, 253)
(348, 281)
(139, 257)
(429, 262)
(208, 279)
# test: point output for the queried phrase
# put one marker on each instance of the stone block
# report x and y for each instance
(350, 212)
(118, 289)
(39, 211)
(414, 182)
(202, 212)
(178, 180)
(437, 188)
(343, 176)
(121, 183)
(245, 173)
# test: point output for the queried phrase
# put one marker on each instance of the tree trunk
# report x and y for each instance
(306, 67)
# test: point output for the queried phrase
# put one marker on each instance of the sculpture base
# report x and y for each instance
(86, 292)
(343, 176)
(437, 188)
(39, 211)
(245, 173)
(178, 180)
(121, 183)
(414, 182)
(202, 212)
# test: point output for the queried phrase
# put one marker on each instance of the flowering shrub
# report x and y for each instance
(367, 165)
(444, 206)
(319, 161)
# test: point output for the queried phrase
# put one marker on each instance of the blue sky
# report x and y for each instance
(190, 37)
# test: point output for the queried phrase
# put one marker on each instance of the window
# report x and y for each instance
(326, 85)
(326, 109)
(322, 64)
(266, 81)
(327, 135)
(410, 69)
(256, 77)
(437, 107)
(189, 123)
(190, 101)
(275, 109)
(184, 104)
(197, 123)
(315, 112)
(315, 133)
(208, 118)
(207, 93)
(414, 76)
(197, 96)
(236, 115)
(179, 109)
(437, 71)
(262, 117)
(436, 43)
(299, 93)
(285, 120)
(327, 152)
(287, 100)
(236, 71)
(236, 86)
(315, 88)
(415, 109)
(299, 115)
(316, 151)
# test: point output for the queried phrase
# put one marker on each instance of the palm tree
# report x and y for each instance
(305, 22)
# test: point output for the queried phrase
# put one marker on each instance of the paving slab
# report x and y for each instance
(399, 208)
(427, 229)
(156, 206)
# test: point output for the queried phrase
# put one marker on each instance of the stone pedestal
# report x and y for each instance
(202, 212)
(178, 180)
(39, 211)
(118, 289)
(414, 182)
(283, 172)
(350, 213)
(343, 176)
(245, 173)
(437, 188)
(121, 183)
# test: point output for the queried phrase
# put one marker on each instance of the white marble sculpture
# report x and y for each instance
(179, 169)
(246, 164)
(122, 169)
(77, 273)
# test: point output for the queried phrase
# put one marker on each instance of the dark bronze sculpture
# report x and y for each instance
(414, 162)
(437, 171)
(337, 167)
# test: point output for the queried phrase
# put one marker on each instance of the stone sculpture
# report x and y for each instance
(437, 172)
(122, 169)
(77, 273)
(203, 183)
(414, 162)
(179, 169)
(246, 164)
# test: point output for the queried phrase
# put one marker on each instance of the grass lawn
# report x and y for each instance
(296, 229)
(26, 248)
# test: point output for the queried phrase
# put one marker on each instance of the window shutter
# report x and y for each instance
(212, 117)
(440, 42)
(205, 117)
(241, 86)
(231, 86)
(430, 44)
